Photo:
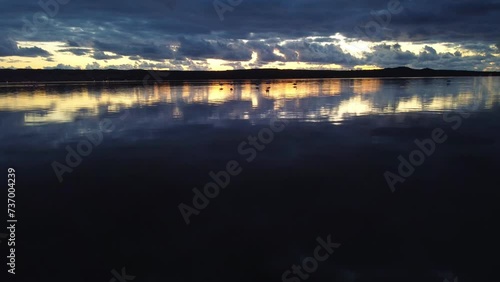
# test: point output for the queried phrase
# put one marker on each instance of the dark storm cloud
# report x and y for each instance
(76, 51)
(32, 52)
(317, 53)
(392, 56)
(449, 20)
(480, 47)
(99, 55)
(324, 39)
(9, 47)
(233, 50)
(146, 50)
(147, 30)
(72, 43)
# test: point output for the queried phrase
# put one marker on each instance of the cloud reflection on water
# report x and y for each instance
(329, 100)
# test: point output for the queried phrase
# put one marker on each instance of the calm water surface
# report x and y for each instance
(73, 109)
(330, 100)
(323, 174)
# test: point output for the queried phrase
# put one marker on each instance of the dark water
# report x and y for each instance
(329, 145)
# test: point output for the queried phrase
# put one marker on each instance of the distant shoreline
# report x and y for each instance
(29, 76)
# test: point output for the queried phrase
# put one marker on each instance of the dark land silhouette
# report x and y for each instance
(57, 75)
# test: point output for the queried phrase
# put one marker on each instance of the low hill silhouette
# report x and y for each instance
(111, 75)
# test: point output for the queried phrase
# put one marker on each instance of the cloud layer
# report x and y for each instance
(187, 33)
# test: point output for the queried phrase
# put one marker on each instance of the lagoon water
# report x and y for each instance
(324, 173)
(330, 100)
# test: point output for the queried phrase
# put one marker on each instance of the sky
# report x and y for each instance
(249, 34)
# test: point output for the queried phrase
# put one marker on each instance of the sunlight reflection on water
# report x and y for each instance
(316, 100)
